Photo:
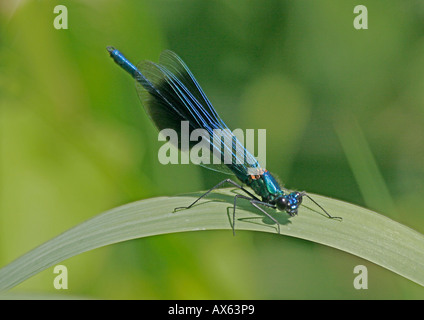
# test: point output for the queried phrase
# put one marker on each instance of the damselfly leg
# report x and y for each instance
(254, 201)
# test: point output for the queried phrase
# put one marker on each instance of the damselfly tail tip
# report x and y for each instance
(110, 49)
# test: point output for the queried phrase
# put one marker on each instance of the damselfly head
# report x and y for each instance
(289, 202)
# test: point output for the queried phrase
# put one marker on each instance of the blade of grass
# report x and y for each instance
(365, 169)
(362, 232)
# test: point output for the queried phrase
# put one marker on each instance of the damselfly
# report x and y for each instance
(170, 95)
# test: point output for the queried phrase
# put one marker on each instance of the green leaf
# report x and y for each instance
(362, 232)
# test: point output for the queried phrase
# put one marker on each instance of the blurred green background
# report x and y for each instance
(343, 109)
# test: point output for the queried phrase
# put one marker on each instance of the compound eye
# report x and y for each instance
(282, 203)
